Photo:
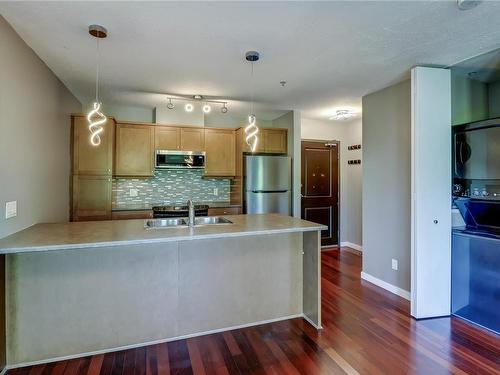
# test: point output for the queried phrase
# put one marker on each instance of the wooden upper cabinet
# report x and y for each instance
(91, 199)
(275, 140)
(167, 138)
(89, 159)
(270, 141)
(135, 146)
(221, 154)
(192, 139)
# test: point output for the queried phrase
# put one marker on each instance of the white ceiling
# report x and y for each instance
(330, 53)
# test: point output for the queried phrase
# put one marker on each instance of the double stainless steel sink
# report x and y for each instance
(183, 222)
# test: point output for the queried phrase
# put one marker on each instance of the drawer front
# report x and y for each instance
(224, 211)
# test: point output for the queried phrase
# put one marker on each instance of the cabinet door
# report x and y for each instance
(220, 149)
(91, 198)
(167, 138)
(260, 141)
(88, 159)
(134, 150)
(275, 140)
(192, 139)
(224, 211)
(129, 215)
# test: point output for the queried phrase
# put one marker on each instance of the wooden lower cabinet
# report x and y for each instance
(91, 198)
(220, 153)
(224, 211)
(127, 215)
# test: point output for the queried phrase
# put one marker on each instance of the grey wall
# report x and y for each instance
(469, 100)
(35, 136)
(386, 184)
(494, 99)
(348, 133)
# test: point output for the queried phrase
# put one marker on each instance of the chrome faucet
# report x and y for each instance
(191, 212)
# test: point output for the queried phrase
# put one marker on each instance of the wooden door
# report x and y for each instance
(275, 140)
(220, 149)
(134, 150)
(320, 187)
(91, 198)
(167, 138)
(192, 139)
(89, 159)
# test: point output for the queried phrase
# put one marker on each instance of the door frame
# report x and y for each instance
(325, 142)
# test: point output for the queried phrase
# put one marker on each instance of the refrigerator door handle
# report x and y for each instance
(269, 191)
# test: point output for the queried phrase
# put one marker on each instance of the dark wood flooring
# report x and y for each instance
(366, 330)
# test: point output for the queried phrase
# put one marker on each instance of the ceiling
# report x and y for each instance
(330, 53)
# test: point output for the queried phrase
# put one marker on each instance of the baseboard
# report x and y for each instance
(385, 285)
(352, 245)
(154, 342)
(311, 322)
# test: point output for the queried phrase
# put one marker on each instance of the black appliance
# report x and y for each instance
(178, 211)
(167, 159)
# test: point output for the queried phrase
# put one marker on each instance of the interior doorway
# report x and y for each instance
(320, 187)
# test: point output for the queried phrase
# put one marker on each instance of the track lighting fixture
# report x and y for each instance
(206, 106)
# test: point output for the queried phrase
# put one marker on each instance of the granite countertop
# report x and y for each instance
(92, 234)
(149, 206)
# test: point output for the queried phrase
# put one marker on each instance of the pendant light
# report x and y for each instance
(95, 117)
(251, 130)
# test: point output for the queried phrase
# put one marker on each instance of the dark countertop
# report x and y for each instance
(148, 206)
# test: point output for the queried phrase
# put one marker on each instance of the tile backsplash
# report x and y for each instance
(170, 186)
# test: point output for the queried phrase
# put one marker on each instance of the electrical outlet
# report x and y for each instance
(216, 191)
(134, 192)
(10, 209)
(395, 264)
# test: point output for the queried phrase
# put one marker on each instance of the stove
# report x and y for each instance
(179, 211)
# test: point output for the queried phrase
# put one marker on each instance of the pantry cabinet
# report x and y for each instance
(91, 198)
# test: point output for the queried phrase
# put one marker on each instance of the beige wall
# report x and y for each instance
(35, 136)
(348, 133)
(386, 184)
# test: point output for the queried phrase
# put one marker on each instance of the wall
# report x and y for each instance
(348, 133)
(128, 113)
(169, 187)
(494, 99)
(386, 184)
(469, 100)
(35, 136)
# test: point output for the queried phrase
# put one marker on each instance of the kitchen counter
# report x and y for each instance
(91, 234)
(107, 285)
(149, 206)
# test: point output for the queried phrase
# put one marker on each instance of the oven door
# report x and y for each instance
(165, 159)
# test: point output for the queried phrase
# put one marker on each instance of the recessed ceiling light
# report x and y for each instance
(342, 115)
(188, 107)
(467, 4)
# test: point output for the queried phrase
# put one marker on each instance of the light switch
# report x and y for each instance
(134, 192)
(10, 209)
(395, 264)
(216, 191)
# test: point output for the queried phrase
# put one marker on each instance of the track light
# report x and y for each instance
(206, 105)
(224, 108)
(188, 107)
(170, 105)
(207, 108)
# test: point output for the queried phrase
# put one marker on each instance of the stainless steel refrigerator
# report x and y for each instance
(267, 184)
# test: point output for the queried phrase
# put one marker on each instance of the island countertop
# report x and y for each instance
(92, 234)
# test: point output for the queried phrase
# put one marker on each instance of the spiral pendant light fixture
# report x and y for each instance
(95, 117)
(252, 130)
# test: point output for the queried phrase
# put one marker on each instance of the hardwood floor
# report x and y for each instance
(366, 330)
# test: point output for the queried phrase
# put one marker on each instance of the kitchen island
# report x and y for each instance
(78, 288)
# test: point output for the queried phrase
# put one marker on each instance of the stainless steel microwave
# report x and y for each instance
(167, 159)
